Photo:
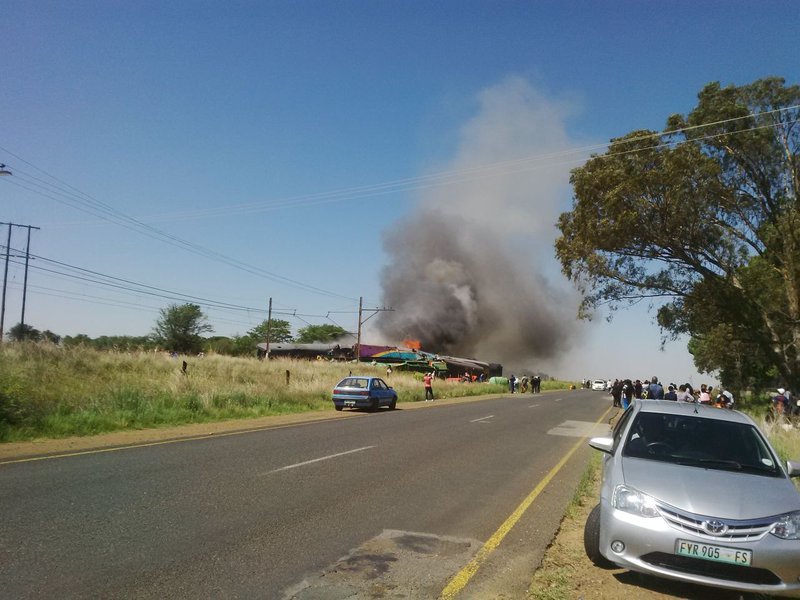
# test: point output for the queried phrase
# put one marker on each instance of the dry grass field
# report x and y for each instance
(50, 391)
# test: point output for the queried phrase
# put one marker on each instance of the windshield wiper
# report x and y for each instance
(711, 462)
(759, 469)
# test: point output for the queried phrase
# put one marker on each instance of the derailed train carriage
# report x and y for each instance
(403, 359)
(307, 351)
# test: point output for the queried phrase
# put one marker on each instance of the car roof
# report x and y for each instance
(705, 411)
(360, 377)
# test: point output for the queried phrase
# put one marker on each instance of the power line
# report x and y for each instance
(87, 203)
(423, 181)
(138, 289)
(75, 198)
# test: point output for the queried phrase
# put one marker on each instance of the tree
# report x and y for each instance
(180, 326)
(78, 340)
(280, 331)
(22, 333)
(703, 220)
(127, 343)
(49, 336)
(319, 333)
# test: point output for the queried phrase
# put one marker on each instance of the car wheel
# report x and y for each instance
(591, 540)
(393, 404)
(338, 407)
(376, 404)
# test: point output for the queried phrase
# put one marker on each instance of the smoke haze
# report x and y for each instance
(466, 269)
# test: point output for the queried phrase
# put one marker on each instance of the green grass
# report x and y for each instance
(555, 579)
(785, 441)
(49, 391)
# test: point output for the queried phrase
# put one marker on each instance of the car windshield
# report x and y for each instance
(700, 442)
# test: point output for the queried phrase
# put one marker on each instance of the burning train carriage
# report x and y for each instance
(404, 359)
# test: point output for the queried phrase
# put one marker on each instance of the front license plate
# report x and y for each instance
(349, 402)
(713, 552)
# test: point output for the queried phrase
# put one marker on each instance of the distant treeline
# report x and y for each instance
(243, 345)
(180, 328)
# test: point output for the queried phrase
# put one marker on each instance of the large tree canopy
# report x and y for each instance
(702, 219)
(21, 333)
(179, 328)
(280, 331)
(319, 333)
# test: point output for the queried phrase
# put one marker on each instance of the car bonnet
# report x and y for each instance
(724, 494)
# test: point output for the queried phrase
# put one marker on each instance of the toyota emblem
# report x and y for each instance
(715, 527)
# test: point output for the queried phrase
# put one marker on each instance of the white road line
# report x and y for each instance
(481, 419)
(559, 399)
(308, 462)
(533, 406)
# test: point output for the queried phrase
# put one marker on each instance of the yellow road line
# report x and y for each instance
(460, 580)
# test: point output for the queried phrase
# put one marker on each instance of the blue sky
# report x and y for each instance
(288, 138)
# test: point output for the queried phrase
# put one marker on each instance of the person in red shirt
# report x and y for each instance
(428, 380)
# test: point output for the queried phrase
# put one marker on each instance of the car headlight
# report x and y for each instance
(788, 528)
(633, 501)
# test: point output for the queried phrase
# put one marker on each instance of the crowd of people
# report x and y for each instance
(623, 391)
(525, 384)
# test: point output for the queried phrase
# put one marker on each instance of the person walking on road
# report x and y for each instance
(428, 381)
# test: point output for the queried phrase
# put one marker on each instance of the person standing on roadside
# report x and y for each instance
(627, 393)
(685, 393)
(780, 402)
(705, 397)
(655, 390)
(616, 392)
(428, 381)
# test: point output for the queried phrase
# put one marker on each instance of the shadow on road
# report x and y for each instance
(681, 590)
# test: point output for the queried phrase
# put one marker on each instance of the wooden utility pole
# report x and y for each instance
(358, 339)
(25, 283)
(5, 276)
(5, 282)
(269, 326)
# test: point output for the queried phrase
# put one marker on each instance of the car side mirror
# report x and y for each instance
(793, 468)
(603, 444)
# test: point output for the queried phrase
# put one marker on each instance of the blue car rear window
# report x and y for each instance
(354, 382)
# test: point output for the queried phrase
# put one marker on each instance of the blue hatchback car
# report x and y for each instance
(363, 392)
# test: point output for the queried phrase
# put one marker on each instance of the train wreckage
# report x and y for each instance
(404, 359)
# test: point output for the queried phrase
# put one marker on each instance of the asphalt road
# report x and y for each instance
(389, 505)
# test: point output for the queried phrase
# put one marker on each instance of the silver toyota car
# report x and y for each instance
(697, 494)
